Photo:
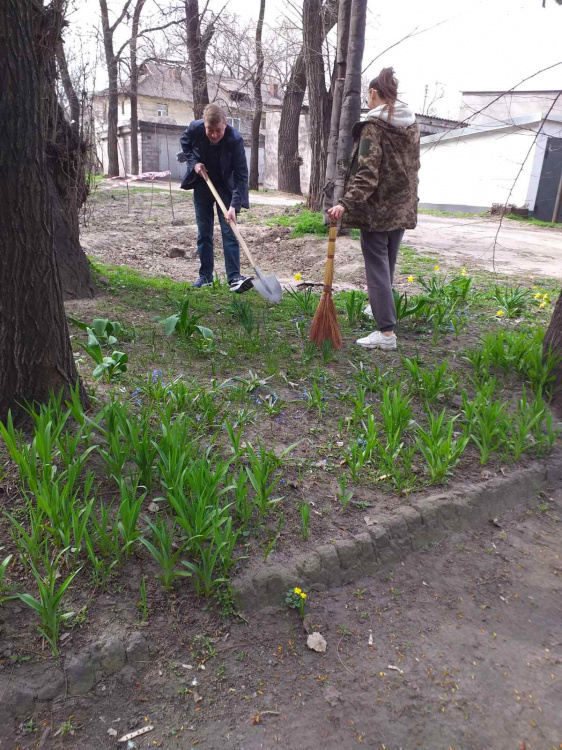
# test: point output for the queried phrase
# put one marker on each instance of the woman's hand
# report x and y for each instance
(336, 212)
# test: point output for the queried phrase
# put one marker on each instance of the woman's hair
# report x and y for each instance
(386, 84)
(214, 115)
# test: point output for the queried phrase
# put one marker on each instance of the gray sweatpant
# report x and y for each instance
(380, 250)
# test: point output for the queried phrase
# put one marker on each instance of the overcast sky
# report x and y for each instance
(473, 45)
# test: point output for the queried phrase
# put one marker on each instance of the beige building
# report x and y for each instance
(165, 109)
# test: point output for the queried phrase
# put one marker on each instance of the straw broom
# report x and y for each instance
(325, 324)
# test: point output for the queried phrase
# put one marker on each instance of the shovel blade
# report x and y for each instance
(268, 287)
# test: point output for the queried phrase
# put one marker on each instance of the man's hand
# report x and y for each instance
(201, 170)
(336, 212)
(231, 215)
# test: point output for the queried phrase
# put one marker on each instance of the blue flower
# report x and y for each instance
(156, 375)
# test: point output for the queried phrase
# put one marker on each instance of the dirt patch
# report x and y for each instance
(466, 653)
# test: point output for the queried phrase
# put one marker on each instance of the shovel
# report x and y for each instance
(268, 286)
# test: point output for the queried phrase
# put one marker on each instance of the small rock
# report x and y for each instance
(112, 732)
(456, 400)
(153, 507)
(196, 697)
(176, 252)
(332, 696)
(316, 642)
(370, 521)
(137, 648)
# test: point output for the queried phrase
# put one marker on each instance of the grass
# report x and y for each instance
(456, 214)
(303, 222)
(535, 222)
(260, 442)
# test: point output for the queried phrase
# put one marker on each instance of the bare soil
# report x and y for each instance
(466, 654)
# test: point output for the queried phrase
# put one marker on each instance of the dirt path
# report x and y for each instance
(146, 236)
(466, 654)
(519, 249)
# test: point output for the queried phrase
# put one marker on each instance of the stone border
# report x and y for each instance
(80, 672)
(391, 538)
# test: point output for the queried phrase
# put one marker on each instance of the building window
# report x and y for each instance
(162, 110)
(234, 122)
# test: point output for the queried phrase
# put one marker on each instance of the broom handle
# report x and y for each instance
(233, 226)
(333, 233)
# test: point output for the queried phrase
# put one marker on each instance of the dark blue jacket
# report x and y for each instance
(234, 167)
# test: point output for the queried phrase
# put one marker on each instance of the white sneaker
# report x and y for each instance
(368, 312)
(376, 340)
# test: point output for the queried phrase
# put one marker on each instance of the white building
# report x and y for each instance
(501, 158)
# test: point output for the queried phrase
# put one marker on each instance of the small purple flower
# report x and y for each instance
(156, 375)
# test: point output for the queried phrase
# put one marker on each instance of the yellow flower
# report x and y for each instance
(297, 277)
(500, 313)
(535, 287)
(545, 297)
(410, 279)
(297, 590)
(463, 272)
(538, 295)
(542, 305)
(436, 268)
(303, 595)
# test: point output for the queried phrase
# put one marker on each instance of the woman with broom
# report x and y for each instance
(380, 196)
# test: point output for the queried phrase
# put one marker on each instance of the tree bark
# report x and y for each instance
(553, 341)
(197, 51)
(344, 18)
(35, 349)
(351, 105)
(288, 159)
(112, 64)
(318, 99)
(133, 87)
(258, 103)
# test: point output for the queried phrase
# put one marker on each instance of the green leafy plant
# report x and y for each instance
(296, 599)
(48, 604)
(263, 464)
(204, 569)
(437, 445)
(407, 307)
(110, 366)
(304, 509)
(104, 331)
(512, 300)
(344, 495)
(306, 301)
(355, 302)
(162, 550)
(429, 384)
(485, 421)
(185, 323)
(4, 565)
(242, 310)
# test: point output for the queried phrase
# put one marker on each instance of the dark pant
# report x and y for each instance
(380, 250)
(204, 203)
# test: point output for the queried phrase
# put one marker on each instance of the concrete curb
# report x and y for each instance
(391, 538)
(82, 671)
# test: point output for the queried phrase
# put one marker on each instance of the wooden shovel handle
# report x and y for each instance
(234, 227)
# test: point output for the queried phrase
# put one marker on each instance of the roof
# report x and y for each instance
(166, 81)
(517, 122)
(517, 91)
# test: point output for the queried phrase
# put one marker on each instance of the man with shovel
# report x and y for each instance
(214, 149)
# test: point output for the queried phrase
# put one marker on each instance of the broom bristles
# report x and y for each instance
(325, 323)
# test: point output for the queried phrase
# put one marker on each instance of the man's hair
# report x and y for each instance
(214, 115)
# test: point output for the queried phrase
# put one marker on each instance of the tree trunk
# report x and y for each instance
(288, 159)
(318, 98)
(71, 95)
(112, 91)
(553, 340)
(133, 88)
(196, 49)
(258, 103)
(351, 106)
(35, 348)
(344, 14)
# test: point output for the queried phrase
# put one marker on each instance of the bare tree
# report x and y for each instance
(289, 160)
(197, 44)
(258, 102)
(344, 18)
(134, 86)
(351, 105)
(318, 98)
(112, 63)
(34, 342)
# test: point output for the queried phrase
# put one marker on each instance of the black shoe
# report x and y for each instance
(201, 282)
(241, 284)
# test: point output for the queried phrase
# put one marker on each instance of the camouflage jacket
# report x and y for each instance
(381, 187)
